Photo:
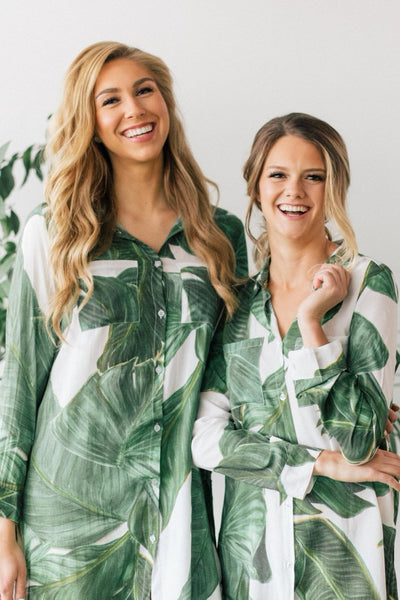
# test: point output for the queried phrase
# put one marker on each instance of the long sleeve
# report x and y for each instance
(258, 459)
(29, 355)
(353, 386)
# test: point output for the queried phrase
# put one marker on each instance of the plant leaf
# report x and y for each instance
(27, 162)
(3, 150)
(320, 547)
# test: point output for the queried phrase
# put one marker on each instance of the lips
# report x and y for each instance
(290, 209)
(134, 132)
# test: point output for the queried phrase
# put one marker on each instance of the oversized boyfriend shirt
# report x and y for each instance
(269, 407)
(95, 433)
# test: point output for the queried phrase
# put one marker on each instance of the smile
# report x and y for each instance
(130, 133)
(289, 209)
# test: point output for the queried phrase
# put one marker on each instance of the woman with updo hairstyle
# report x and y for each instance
(120, 280)
(296, 409)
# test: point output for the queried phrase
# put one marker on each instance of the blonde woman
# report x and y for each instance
(295, 407)
(119, 283)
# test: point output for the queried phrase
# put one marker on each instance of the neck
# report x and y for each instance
(292, 264)
(139, 189)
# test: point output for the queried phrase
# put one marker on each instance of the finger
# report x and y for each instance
(20, 591)
(389, 426)
(392, 415)
(333, 275)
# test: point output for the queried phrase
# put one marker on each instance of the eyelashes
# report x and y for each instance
(143, 91)
(310, 176)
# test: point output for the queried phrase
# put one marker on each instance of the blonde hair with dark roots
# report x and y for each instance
(79, 188)
(333, 151)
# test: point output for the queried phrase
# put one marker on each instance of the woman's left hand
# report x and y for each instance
(329, 287)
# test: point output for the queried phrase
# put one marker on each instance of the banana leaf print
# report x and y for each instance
(242, 540)
(80, 574)
(389, 537)
(292, 339)
(179, 413)
(363, 334)
(341, 497)
(331, 313)
(114, 299)
(278, 418)
(320, 571)
(206, 576)
(380, 279)
(239, 331)
(203, 304)
(99, 413)
(242, 361)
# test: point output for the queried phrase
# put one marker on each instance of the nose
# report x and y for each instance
(133, 108)
(294, 188)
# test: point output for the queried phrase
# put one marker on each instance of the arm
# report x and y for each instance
(29, 355)
(248, 455)
(353, 390)
(273, 463)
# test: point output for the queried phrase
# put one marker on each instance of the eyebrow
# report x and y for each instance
(305, 170)
(114, 90)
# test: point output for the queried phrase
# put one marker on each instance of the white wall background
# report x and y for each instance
(236, 64)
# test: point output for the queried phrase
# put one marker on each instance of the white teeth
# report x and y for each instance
(293, 209)
(139, 131)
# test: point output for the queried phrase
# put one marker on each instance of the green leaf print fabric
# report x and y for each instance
(267, 409)
(95, 433)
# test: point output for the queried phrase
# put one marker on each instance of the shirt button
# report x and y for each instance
(157, 427)
(158, 369)
(152, 538)
(157, 263)
(282, 396)
(161, 313)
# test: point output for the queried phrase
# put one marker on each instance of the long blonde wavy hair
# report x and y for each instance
(79, 187)
(334, 153)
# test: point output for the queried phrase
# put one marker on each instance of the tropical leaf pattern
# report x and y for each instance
(95, 433)
(267, 409)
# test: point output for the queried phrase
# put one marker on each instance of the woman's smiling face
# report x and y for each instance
(132, 117)
(291, 189)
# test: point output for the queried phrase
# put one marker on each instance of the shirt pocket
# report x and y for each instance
(243, 374)
(115, 297)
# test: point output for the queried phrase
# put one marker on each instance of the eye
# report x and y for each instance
(315, 177)
(276, 175)
(144, 90)
(110, 100)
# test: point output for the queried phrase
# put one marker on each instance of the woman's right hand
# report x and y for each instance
(12, 563)
(384, 467)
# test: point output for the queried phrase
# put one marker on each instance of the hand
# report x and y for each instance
(12, 563)
(330, 285)
(384, 467)
(392, 418)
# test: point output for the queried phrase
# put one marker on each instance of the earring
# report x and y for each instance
(96, 139)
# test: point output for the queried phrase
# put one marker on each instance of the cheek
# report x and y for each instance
(103, 123)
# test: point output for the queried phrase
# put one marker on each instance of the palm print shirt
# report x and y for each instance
(269, 407)
(111, 507)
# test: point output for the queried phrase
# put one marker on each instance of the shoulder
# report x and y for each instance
(35, 228)
(376, 276)
(230, 224)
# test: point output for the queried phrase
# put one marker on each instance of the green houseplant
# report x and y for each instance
(18, 166)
